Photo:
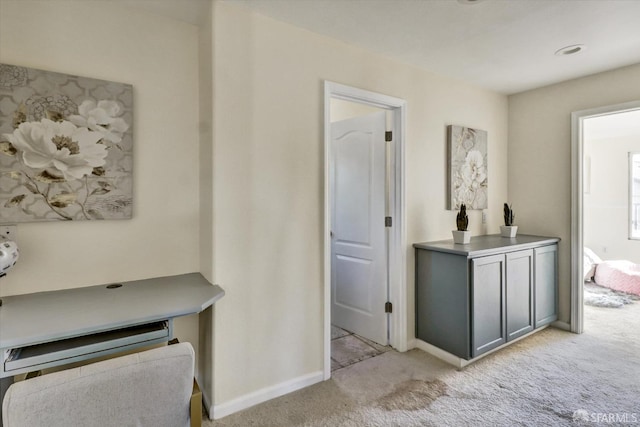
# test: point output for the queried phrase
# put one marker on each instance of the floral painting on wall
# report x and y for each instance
(467, 149)
(66, 147)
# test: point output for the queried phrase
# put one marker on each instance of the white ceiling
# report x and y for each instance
(503, 45)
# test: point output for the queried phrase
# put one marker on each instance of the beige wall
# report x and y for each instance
(205, 99)
(540, 155)
(268, 185)
(259, 208)
(158, 57)
(606, 205)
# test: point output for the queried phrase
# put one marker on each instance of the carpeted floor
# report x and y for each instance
(552, 378)
(599, 296)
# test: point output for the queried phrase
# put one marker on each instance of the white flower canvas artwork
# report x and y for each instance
(468, 173)
(66, 147)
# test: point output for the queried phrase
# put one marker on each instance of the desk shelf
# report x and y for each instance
(41, 356)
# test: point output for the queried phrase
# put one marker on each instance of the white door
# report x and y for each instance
(358, 244)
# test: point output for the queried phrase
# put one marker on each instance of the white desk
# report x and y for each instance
(55, 328)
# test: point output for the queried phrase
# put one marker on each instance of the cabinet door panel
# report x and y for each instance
(546, 289)
(488, 305)
(442, 301)
(519, 293)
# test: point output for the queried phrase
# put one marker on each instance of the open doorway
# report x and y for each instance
(351, 165)
(611, 209)
(605, 249)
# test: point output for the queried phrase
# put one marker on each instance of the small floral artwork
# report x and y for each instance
(66, 147)
(467, 167)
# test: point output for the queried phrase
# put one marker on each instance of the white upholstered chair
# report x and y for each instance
(147, 389)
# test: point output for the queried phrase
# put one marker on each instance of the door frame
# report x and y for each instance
(397, 286)
(577, 204)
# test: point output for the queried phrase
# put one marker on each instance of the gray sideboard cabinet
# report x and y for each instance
(471, 299)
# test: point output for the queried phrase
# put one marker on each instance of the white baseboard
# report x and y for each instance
(461, 363)
(411, 344)
(267, 393)
(441, 354)
(206, 400)
(561, 325)
(207, 404)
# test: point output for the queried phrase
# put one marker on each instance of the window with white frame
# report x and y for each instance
(634, 195)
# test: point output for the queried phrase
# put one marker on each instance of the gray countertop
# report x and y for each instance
(488, 244)
(46, 316)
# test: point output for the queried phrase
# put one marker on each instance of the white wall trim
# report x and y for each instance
(398, 234)
(267, 393)
(562, 325)
(577, 204)
(459, 362)
(439, 353)
(206, 402)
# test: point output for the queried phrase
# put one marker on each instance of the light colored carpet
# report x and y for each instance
(599, 296)
(551, 378)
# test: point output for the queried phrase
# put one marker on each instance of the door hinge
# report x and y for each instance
(388, 307)
(387, 221)
(388, 136)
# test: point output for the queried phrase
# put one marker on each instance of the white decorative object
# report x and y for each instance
(461, 237)
(508, 230)
(9, 255)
